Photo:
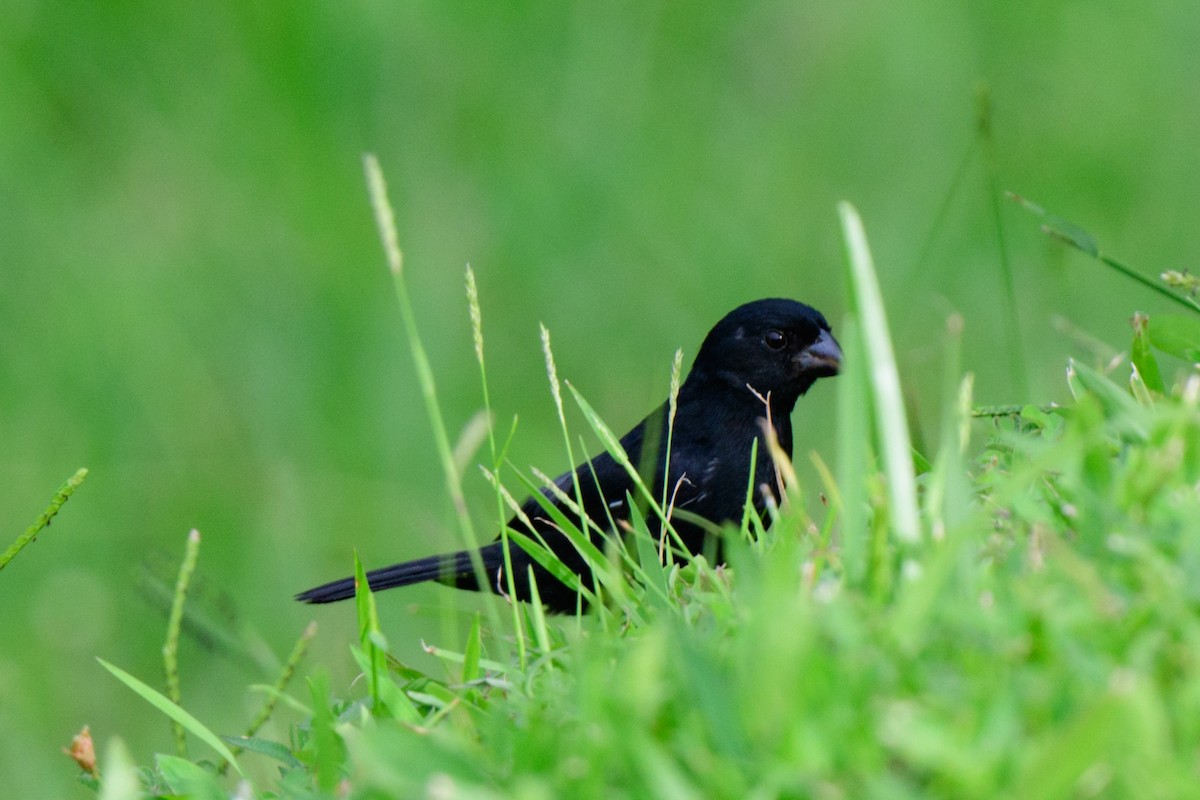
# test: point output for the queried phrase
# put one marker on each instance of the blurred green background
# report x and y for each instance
(194, 305)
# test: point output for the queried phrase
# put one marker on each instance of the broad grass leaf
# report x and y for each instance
(163, 704)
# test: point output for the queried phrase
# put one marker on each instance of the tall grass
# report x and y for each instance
(1015, 620)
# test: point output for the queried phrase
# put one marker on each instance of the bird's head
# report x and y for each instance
(777, 347)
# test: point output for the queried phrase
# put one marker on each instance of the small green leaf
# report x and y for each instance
(1142, 356)
(188, 779)
(1116, 402)
(1077, 237)
(1072, 234)
(1176, 335)
(264, 747)
(325, 751)
(1060, 228)
(160, 701)
(388, 696)
(374, 645)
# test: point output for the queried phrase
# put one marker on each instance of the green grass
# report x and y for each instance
(1028, 628)
(192, 302)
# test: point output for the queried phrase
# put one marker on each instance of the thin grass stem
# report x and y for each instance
(64, 492)
(1017, 359)
(496, 456)
(386, 223)
(170, 650)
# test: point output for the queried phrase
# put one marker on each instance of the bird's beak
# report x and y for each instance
(822, 358)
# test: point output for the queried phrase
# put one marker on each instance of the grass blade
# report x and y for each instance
(325, 753)
(473, 653)
(386, 696)
(613, 445)
(386, 222)
(886, 399)
(1017, 361)
(849, 491)
(175, 712)
(497, 454)
(540, 631)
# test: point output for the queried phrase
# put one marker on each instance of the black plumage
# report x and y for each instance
(753, 365)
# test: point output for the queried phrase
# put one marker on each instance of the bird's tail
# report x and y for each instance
(455, 569)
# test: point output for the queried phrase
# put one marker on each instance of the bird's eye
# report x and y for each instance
(775, 340)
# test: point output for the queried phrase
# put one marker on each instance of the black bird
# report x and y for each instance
(753, 365)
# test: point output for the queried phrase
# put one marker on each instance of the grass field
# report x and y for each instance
(193, 306)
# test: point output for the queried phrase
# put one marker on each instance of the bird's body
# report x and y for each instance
(753, 365)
